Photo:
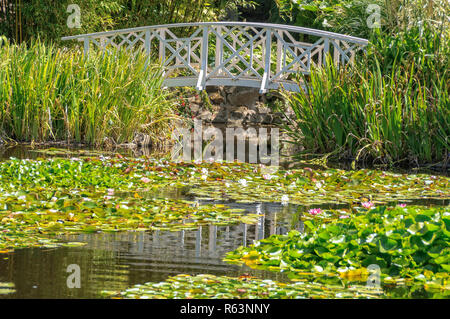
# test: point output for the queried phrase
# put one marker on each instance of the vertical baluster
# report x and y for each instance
(147, 46)
(279, 51)
(177, 46)
(204, 58)
(219, 49)
(86, 45)
(147, 42)
(267, 56)
(336, 51)
(326, 49)
(162, 45)
(162, 49)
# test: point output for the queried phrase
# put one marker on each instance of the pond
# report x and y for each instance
(116, 261)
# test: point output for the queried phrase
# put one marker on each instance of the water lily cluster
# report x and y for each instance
(406, 243)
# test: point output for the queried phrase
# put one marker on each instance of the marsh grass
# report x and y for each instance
(49, 93)
(392, 106)
(363, 114)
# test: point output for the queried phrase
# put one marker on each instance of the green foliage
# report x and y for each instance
(48, 93)
(409, 243)
(392, 106)
(245, 287)
(59, 196)
(47, 19)
(352, 17)
(240, 182)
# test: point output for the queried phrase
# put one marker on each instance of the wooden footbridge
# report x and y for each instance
(258, 55)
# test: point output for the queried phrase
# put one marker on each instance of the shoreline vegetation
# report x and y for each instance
(391, 109)
(57, 94)
(392, 106)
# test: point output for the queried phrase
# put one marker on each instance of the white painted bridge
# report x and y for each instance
(258, 55)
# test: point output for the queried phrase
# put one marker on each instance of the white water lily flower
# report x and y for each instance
(204, 171)
(204, 177)
(227, 184)
(243, 182)
(284, 199)
(23, 197)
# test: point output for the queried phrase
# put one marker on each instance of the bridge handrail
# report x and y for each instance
(243, 52)
(308, 31)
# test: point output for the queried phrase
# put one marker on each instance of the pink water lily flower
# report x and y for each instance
(344, 216)
(402, 205)
(268, 176)
(315, 211)
(145, 180)
(368, 205)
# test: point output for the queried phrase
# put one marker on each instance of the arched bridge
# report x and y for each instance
(258, 55)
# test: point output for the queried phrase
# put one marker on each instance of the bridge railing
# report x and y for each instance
(258, 55)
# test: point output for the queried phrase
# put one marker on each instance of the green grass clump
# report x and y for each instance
(392, 106)
(49, 93)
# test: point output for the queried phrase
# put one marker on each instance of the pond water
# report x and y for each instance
(120, 260)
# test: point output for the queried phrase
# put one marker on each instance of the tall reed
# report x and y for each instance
(389, 112)
(48, 93)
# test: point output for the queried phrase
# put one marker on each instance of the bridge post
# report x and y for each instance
(279, 51)
(204, 58)
(326, 49)
(147, 46)
(162, 45)
(147, 42)
(219, 49)
(86, 45)
(162, 49)
(267, 57)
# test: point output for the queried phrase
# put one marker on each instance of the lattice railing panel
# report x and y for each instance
(239, 52)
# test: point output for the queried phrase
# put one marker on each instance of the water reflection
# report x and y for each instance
(119, 260)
